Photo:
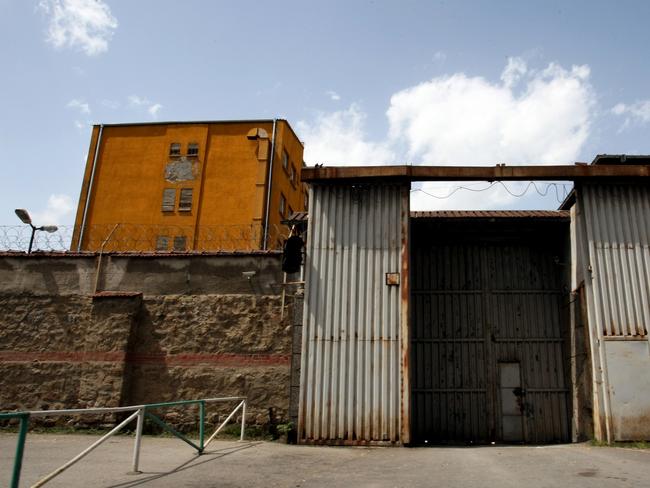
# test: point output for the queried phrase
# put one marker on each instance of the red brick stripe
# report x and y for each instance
(142, 358)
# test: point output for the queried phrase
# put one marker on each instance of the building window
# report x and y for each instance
(175, 149)
(306, 202)
(283, 204)
(169, 199)
(285, 159)
(180, 243)
(185, 200)
(193, 149)
(290, 211)
(162, 243)
(292, 175)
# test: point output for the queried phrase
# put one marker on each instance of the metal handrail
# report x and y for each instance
(139, 413)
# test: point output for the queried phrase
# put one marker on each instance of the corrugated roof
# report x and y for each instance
(629, 159)
(491, 214)
(296, 217)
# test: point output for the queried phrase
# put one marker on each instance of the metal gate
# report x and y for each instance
(487, 331)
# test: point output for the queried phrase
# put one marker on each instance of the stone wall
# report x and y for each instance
(160, 328)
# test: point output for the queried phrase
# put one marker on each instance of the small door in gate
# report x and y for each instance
(511, 396)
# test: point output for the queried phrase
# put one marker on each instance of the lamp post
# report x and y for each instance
(23, 215)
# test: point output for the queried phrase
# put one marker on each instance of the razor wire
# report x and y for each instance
(144, 238)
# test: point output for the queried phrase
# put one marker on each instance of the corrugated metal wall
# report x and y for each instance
(479, 301)
(617, 224)
(351, 361)
(613, 252)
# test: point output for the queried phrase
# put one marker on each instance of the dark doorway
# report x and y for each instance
(488, 328)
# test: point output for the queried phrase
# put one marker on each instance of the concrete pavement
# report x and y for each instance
(168, 462)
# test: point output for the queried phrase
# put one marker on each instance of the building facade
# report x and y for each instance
(189, 186)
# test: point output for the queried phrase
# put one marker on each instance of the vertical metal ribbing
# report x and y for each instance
(618, 225)
(615, 263)
(350, 384)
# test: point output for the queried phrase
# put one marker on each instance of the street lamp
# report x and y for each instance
(23, 215)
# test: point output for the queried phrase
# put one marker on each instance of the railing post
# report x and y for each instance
(20, 450)
(138, 441)
(201, 426)
(243, 420)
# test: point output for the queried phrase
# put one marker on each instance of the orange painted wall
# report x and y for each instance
(229, 177)
(293, 192)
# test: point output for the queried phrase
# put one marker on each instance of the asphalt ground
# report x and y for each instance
(168, 462)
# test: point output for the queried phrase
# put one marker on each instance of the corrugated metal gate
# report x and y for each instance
(488, 327)
(351, 368)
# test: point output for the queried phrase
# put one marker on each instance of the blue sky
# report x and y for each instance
(361, 81)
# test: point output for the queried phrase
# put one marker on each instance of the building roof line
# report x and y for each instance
(203, 122)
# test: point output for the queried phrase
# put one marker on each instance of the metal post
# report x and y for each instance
(31, 240)
(243, 420)
(138, 442)
(201, 426)
(20, 449)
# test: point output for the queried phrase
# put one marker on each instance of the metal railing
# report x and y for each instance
(145, 238)
(139, 413)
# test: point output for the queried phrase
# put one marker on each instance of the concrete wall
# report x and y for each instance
(163, 328)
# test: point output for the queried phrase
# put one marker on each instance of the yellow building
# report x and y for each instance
(178, 186)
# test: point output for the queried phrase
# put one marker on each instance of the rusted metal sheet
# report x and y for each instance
(474, 173)
(351, 350)
(613, 250)
(481, 304)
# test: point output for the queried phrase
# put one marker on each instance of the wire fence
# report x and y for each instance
(144, 238)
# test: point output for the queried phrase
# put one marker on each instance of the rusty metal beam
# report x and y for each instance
(579, 171)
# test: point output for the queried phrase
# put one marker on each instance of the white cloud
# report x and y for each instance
(333, 95)
(459, 119)
(80, 105)
(87, 25)
(638, 112)
(514, 70)
(58, 211)
(528, 117)
(439, 56)
(135, 100)
(151, 107)
(154, 109)
(339, 138)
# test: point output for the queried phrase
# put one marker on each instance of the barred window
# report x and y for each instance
(162, 243)
(285, 159)
(292, 175)
(185, 201)
(180, 243)
(169, 199)
(193, 149)
(175, 149)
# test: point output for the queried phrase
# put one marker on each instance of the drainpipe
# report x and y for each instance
(268, 190)
(90, 187)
